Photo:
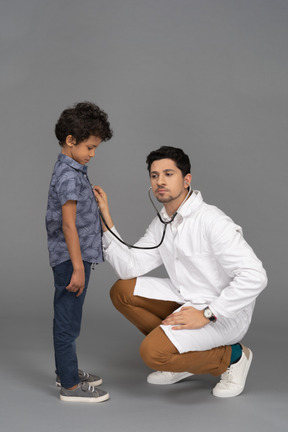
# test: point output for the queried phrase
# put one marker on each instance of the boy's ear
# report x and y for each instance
(70, 140)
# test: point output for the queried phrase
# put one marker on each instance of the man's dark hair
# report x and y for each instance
(81, 121)
(176, 154)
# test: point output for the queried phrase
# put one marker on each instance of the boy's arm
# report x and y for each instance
(77, 282)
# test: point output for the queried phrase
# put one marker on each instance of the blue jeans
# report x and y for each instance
(67, 322)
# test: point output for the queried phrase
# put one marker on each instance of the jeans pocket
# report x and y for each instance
(62, 273)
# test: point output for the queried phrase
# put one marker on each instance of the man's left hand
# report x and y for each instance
(187, 318)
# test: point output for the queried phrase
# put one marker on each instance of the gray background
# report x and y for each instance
(209, 76)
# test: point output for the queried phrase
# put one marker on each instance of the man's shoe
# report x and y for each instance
(84, 376)
(166, 378)
(84, 392)
(232, 381)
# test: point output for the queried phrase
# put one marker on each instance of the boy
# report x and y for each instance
(74, 241)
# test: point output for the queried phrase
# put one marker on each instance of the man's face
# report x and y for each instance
(167, 181)
(85, 150)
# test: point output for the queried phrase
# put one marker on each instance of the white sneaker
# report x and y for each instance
(166, 378)
(232, 381)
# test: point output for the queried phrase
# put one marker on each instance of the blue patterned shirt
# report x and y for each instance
(70, 182)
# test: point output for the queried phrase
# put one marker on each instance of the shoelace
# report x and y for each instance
(227, 376)
(88, 387)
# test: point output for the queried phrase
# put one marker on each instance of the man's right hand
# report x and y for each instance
(102, 202)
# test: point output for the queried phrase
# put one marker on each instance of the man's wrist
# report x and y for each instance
(209, 314)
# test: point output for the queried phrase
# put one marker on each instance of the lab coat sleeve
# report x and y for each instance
(239, 262)
(127, 262)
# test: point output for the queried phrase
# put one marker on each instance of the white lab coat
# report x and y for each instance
(208, 263)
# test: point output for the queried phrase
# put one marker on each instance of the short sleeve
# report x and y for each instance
(68, 187)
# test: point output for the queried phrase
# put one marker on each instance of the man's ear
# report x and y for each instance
(187, 179)
(70, 141)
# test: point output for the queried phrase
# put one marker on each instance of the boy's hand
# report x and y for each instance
(77, 282)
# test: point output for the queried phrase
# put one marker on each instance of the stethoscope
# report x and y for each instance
(165, 223)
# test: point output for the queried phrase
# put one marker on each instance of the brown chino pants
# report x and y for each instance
(156, 350)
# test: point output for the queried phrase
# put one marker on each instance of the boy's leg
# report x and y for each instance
(145, 313)
(67, 323)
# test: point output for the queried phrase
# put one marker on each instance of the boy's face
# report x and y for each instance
(82, 152)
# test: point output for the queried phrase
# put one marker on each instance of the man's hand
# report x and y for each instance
(187, 318)
(77, 282)
(101, 199)
(102, 202)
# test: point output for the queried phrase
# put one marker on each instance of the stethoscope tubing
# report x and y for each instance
(165, 223)
(132, 246)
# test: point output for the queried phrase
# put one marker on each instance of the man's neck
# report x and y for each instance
(172, 206)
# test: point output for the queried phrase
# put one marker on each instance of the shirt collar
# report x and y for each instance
(191, 205)
(72, 163)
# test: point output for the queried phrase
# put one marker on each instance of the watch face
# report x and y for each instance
(208, 313)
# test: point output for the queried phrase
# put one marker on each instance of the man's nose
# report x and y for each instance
(161, 180)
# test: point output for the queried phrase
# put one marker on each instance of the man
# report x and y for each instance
(194, 320)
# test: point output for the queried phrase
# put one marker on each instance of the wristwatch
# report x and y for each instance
(209, 314)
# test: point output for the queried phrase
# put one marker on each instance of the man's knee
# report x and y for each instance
(147, 354)
(121, 291)
(153, 353)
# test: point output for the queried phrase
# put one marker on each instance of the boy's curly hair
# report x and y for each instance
(81, 121)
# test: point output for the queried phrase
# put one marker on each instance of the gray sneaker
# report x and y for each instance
(84, 392)
(84, 376)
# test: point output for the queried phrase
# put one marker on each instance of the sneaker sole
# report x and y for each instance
(84, 399)
(94, 383)
(183, 376)
(245, 377)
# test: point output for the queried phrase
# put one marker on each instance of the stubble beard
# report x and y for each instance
(168, 199)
